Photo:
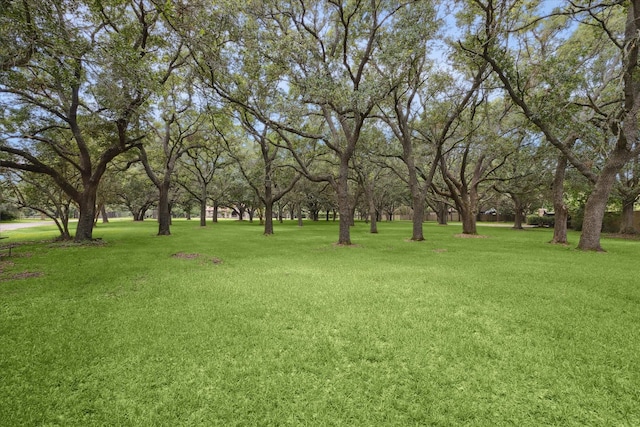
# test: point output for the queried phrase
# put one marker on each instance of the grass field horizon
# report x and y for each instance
(220, 325)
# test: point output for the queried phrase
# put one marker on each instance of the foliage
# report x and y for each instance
(460, 100)
(610, 221)
(77, 100)
(8, 213)
(541, 221)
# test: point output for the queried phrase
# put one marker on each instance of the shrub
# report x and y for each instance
(577, 217)
(8, 215)
(610, 222)
(541, 221)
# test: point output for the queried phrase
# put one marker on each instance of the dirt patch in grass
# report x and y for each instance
(25, 275)
(72, 244)
(16, 276)
(623, 236)
(5, 264)
(6, 275)
(471, 236)
(184, 255)
(342, 245)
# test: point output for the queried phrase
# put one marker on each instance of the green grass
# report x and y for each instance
(293, 330)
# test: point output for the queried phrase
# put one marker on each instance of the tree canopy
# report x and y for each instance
(466, 105)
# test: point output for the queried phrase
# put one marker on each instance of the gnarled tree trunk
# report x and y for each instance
(597, 202)
(519, 213)
(87, 207)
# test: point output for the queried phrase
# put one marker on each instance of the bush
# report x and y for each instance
(541, 221)
(8, 215)
(577, 217)
(610, 222)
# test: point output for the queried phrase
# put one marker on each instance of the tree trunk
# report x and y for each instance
(138, 215)
(417, 195)
(105, 216)
(268, 219)
(65, 234)
(342, 192)
(468, 221)
(468, 209)
(87, 207)
(373, 226)
(597, 203)
(442, 214)
(418, 218)
(164, 211)
(518, 219)
(519, 212)
(214, 216)
(559, 207)
(352, 216)
(627, 225)
(203, 212)
(268, 203)
(372, 215)
(300, 222)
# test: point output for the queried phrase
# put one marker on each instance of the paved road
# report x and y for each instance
(8, 226)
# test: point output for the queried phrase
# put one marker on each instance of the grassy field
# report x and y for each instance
(224, 326)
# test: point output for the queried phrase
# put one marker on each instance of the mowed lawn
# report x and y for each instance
(224, 326)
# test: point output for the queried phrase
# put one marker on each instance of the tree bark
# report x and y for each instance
(519, 212)
(597, 203)
(417, 200)
(203, 211)
(373, 226)
(300, 222)
(418, 218)
(87, 207)
(468, 221)
(442, 214)
(468, 210)
(164, 211)
(103, 212)
(559, 207)
(344, 208)
(268, 208)
(417, 195)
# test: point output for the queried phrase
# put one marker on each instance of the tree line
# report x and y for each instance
(350, 106)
